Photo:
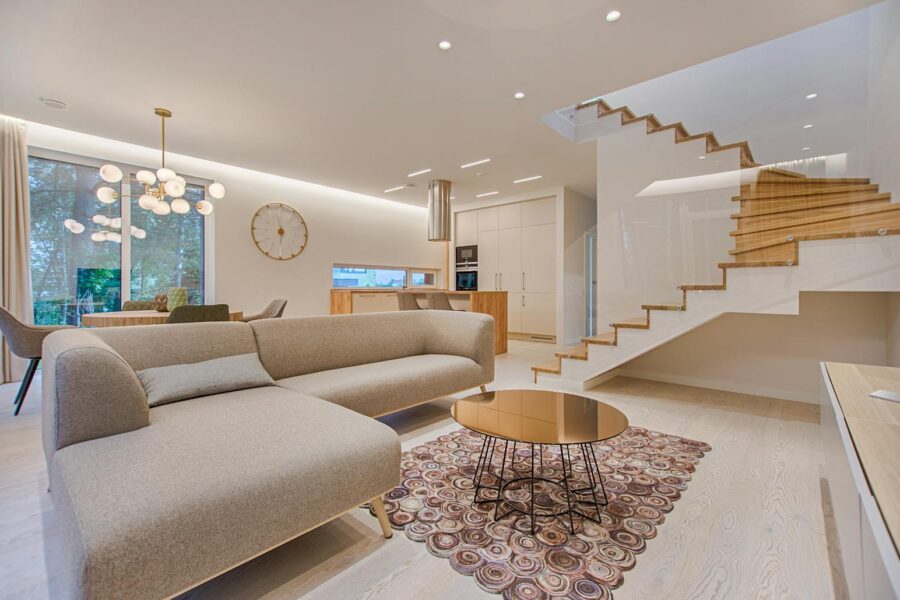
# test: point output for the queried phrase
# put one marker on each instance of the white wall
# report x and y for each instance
(649, 245)
(883, 144)
(777, 355)
(893, 330)
(344, 227)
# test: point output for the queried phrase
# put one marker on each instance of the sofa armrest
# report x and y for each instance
(465, 334)
(88, 390)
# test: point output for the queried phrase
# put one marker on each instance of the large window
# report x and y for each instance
(72, 274)
(360, 276)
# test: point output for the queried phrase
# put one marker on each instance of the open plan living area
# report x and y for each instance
(430, 299)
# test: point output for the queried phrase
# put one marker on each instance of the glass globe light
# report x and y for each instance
(77, 228)
(162, 208)
(146, 177)
(139, 233)
(68, 223)
(216, 190)
(100, 220)
(180, 205)
(204, 207)
(165, 174)
(181, 180)
(111, 173)
(99, 236)
(116, 222)
(147, 201)
(112, 236)
(174, 188)
(106, 195)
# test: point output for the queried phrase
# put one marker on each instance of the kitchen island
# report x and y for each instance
(346, 301)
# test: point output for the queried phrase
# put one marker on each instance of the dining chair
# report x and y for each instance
(407, 301)
(273, 311)
(25, 341)
(439, 301)
(199, 313)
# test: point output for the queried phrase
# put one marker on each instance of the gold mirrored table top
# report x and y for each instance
(539, 417)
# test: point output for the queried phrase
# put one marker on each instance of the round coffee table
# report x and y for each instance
(539, 418)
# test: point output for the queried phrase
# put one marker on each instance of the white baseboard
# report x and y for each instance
(598, 379)
(717, 384)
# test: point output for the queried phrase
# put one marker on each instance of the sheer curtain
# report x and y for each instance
(16, 274)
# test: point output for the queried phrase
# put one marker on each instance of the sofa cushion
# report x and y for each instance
(379, 388)
(209, 484)
(216, 376)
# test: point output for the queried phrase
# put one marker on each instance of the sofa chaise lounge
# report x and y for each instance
(152, 501)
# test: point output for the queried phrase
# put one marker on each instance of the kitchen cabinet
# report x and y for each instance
(539, 313)
(539, 258)
(487, 219)
(466, 228)
(509, 215)
(509, 243)
(488, 261)
(539, 212)
(514, 311)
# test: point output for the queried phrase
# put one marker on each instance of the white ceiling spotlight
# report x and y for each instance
(524, 179)
(486, 194)
(422, 172)
(444, 45)
(807, 126)
(477, 162)
(519, 95)
(804, 148)
(811, 96)
(702, 157)
(613, 16)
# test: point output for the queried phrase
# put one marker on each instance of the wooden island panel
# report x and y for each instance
(492, 303)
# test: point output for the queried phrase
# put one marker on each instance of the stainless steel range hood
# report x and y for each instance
(439, 210)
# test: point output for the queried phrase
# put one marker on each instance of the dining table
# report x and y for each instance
(122, 318)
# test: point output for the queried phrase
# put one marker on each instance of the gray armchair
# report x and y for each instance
(273, 311)
(25, 341)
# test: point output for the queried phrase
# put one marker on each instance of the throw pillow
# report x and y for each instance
(178, 296)
(181, 382)
(162, 303)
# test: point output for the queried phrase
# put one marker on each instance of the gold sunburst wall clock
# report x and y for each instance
(279, 231)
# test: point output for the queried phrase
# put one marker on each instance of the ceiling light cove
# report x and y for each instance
(519, 95)
(422, 172)
(486, 194)
(444, 45)
(613, 16)
(524, 179)
(807, 126)
(811, 96)
(394, 189)
(473, 164)
(804, 148)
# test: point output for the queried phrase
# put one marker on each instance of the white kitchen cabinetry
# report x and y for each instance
(466, 228)
(517, 253)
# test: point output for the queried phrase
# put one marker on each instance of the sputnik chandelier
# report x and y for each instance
(158, 187)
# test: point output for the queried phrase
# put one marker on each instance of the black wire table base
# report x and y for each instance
(586, 497)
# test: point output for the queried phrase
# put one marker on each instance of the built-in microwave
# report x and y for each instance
(466, 255)
(467, 281)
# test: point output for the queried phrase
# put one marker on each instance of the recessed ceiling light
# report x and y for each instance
(444, 45)
(422, 172)
(494, 193)
(807, 126)
(811, 96)
(524, 179)
(805, 148)
(613, 15)
(701, 157)
(519, 95)
(394, 189)
(57, 104)
(477, 162)
(453, 197)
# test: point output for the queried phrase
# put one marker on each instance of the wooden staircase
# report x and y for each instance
(777, 212)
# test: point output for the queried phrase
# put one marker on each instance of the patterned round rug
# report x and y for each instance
(643, 472)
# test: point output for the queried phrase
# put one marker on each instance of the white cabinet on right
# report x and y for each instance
(539, 313)
(539, 258)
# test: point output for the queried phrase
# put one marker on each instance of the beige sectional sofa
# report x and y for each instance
(153, 501)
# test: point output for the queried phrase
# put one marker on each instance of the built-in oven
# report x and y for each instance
(467, 280)
(466, 255)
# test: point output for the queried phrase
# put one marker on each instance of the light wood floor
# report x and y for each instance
(752, 523)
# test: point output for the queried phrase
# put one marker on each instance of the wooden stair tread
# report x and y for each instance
(797, 206)
(662, 306)
(848, 213)
(700, 287)
(810, 190)
(796, 183)
(553, 367)
(761, 263)
(603, 339)
(579, 352)
(782, 172)
(636, 323)
(825, 235)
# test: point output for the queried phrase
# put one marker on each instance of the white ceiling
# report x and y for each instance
(354, 93)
